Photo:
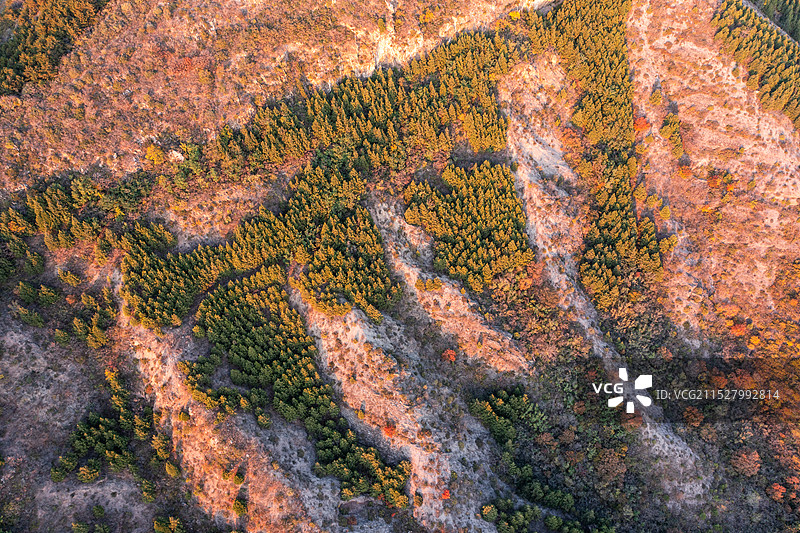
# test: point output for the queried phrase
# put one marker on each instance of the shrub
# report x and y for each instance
(69, 278)
(553, 522)
(161, 446)
(240, 507)
(172, 470)
(746, 462)
(90, 472)
(489, 513)
(655, 97)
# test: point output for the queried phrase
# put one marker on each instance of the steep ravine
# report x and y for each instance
(551, 229)
(271, 458)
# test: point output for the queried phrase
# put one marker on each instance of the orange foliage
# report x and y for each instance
(665, 354)
(641, 124)
(449, 355)
(631, 422)
(389, 431)
(739, 329)
(743, 379)
(685, 172)
(546, 439)
(776, 491)
(610, 465)
(692, 416)
(571, 140)
(719, 381)
(446, 494)
(746, 463)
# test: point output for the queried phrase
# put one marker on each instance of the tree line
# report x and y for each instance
(622, 254)
(377, 120)
(771, 58)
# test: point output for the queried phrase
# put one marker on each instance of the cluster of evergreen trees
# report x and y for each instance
(771, 57)
(671, 131)
(456, 83)
(159, 289)
(250, 322)
(67, 213)
(479, 225)
(95, 317)
(42, 33)
(590, 38)
(514, 421)
(785, 13)
(323, 226)
(338, 241)
(108, 441)
(377, 120)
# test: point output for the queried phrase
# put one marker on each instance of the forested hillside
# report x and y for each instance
(42, 32)
(785, 13)
(770, 56)
(252, 317)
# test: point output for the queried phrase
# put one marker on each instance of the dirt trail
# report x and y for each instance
(552, 230)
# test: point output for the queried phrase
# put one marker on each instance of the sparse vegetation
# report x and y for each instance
(321, 160)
